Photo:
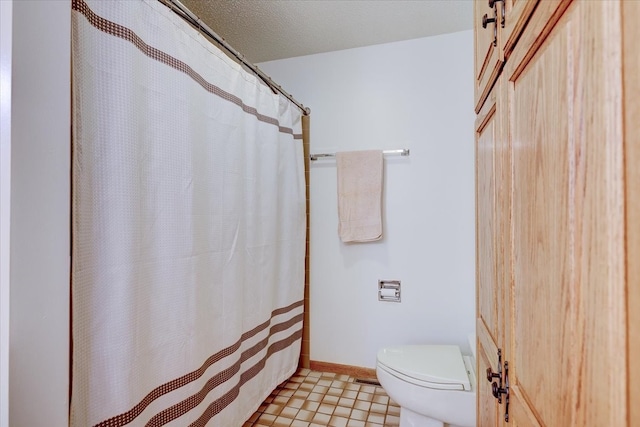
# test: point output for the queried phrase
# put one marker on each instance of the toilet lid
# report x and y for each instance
(439, 366)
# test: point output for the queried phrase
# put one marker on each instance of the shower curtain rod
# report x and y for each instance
(197, 23)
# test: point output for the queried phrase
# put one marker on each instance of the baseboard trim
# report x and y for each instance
(336, 368)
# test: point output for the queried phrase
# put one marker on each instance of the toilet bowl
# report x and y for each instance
(434, 385)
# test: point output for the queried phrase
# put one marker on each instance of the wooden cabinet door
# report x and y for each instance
(631, 71)
(566, 310)
(488, 303)
(515, 14)
(488, 58)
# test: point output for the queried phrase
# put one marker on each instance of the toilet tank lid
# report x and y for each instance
(439, 364)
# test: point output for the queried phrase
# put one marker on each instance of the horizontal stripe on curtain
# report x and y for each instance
(188, 225)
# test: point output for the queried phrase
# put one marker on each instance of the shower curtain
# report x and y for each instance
(188, 225)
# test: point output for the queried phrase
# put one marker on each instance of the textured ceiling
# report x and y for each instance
(265, 30)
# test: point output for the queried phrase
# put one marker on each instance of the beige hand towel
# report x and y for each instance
(360, 195)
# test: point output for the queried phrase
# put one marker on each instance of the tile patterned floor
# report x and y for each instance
(321, 399)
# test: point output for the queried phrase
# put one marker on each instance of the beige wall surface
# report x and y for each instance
(40, 194)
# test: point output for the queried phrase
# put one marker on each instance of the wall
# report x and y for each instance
(416, 94)
(40, 199)
(6, 14)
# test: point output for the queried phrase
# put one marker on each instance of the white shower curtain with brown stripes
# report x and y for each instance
(188, 225)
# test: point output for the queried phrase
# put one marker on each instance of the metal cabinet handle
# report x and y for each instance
(498, 389)
(491, 375)
(486, 20)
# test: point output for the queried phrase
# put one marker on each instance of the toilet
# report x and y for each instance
(434, 385)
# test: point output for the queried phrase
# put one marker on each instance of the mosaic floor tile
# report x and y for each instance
(323, 399)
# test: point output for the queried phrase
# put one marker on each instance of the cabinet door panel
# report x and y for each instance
(488, 410)
(543, 292)
(566, 317)
(631, 17)
(487, 289)
(520, 414)
(489, 294)
(516, 15)
(488, 58)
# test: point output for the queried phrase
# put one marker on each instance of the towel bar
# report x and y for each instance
(402, 152)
